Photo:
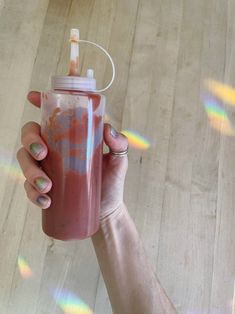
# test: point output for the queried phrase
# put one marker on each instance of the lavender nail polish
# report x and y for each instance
(113, 132)
(42, 201)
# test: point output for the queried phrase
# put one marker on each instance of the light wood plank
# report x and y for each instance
(17, 24)
(179, 192)
(188, 213)
(224, 254)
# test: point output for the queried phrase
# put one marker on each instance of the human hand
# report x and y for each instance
(114, 168)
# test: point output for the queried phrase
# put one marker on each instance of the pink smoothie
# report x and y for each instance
(76, 193)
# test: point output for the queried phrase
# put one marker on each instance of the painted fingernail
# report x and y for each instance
(42, 200)
(41, 183)
(36, 148)
(113, 132)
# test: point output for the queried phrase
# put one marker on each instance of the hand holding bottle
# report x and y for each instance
(114, 168)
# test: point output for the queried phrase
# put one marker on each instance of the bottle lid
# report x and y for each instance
(81, 83)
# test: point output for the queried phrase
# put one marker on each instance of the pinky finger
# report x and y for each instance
(41, 200)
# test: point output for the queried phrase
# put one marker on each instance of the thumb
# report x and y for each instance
(116, 141)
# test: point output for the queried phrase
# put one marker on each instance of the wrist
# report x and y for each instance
(112, 213)
(109, 216)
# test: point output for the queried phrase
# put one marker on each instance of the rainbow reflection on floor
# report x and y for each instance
(10, 165)
(217, 116)
(24, 268)
(70, 303)
(136, 140)
(225, 92)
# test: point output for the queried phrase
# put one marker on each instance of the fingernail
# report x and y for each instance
(41, 183)
(32, 91)
(36, 148)
(42, 200)
(29, 93)
(113, 132)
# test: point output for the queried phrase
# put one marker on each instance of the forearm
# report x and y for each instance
(130, 280)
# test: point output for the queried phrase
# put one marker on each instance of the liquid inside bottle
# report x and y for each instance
(72, 128)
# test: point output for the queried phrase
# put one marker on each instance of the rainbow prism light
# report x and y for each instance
(24, 268)
(136, 140)
(9, 166)
(218, 117)
(225, 92)
(71, 304)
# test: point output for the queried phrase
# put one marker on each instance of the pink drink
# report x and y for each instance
(72, 128)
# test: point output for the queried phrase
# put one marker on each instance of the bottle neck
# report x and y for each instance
(75, 92)
(73, 83)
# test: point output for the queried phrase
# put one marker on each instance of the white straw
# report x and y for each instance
(74, 52)
(74, 57)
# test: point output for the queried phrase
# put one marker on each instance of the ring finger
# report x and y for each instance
(38, 199)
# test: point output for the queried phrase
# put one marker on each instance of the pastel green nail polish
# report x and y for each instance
(41, 183)
(36, 148)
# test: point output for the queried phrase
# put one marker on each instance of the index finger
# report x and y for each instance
(34, 98)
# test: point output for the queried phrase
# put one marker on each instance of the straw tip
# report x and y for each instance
(90, 73)
(74, 34)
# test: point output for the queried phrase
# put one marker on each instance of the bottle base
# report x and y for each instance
(66, 238)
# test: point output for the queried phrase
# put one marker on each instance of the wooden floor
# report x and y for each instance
(180, 192)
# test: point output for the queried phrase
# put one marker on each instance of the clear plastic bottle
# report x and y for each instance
(72, 118)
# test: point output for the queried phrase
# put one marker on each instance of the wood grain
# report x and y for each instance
(179, 191)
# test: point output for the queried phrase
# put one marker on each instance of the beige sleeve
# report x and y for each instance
(132, 285)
